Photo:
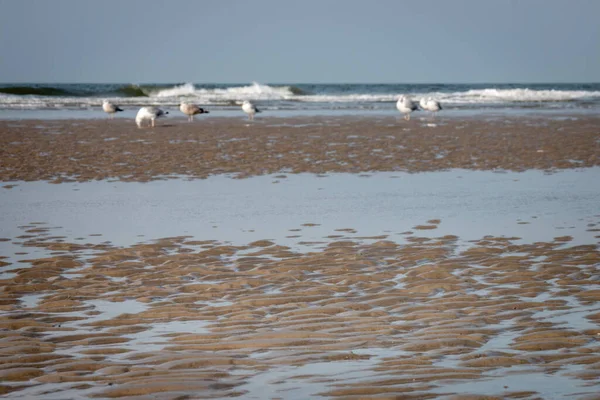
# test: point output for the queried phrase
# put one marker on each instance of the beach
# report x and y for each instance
(329, 256)
(84, 150)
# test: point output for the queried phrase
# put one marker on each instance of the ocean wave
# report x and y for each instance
(131, 91)
(255, 91)
(347, 98)
(474, 96)
(34, 90)
(307, 96)
(74, 90)
(259, 92)
(187, 89)
(297, 91)
(517, 95)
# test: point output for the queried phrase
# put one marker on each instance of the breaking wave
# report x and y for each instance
(254, 91)
(76, 90)
(474, 96)
(286, 96)
(131, 91)
(34, 90)
(519, 95)
(187, 89)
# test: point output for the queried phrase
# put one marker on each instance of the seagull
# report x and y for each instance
(250, 109)
(149, 113)
(406, 106)
(110, 108)
(433, 105)
(430, 105)
(191, 109)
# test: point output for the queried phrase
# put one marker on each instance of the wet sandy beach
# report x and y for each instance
(82, 150)
(446, 302)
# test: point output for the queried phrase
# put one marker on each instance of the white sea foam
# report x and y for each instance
(515, 95)
(261, 92)
(347, 98)
(475, 96)
(187, 89)
(255, 91)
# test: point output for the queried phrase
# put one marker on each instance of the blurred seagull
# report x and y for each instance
(148, 113)
(249, 109)
(406, 106)
(110, 108)
(430, 105)
(191, 109)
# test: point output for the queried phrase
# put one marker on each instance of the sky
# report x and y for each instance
(308, 41)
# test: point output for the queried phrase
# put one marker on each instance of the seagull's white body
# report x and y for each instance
(191, 109)
(406, 106)
(148, 114)
(249, 109)
(433, 105)
(430, 105)
(110, 108)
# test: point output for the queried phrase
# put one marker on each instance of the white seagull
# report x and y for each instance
(249, 109)
(110, 108)
(430, 105)
(149, 113)
(406, 106)
(191, 109)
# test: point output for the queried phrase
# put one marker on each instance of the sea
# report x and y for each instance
(85, 99)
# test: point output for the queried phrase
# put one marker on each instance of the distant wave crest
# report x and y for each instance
(309, 96)
(473, 96)
(519, 95)
(75, 91)
(131, 91)
(255, 91)
(187, 89)
(34, 90)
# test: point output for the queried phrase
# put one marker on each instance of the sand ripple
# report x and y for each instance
(178, 317)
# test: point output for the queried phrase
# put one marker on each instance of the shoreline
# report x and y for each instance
(312, 112)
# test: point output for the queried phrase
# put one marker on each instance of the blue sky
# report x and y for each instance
(270, 41)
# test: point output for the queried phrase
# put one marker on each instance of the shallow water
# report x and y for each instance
(522, 379)
(532, 205)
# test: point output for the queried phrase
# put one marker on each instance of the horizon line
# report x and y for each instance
(298, 83)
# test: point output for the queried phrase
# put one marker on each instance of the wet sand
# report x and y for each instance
(76, 150)
(424, 316)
